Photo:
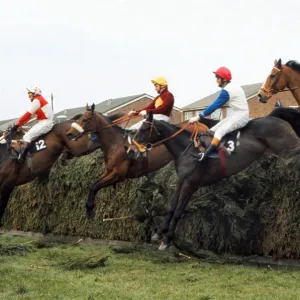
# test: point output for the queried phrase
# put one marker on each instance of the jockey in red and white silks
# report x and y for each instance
(40, 109)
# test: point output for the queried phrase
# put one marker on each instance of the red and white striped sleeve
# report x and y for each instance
(35, 105)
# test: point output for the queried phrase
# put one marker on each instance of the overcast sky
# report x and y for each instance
(93, 50)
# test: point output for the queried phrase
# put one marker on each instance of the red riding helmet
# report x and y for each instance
(224, 73)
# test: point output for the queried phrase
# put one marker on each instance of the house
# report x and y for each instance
(257, 109)
(107, 107)
(119, 105)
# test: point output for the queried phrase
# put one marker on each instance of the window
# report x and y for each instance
(217, 114)
(188, 115)
(198, 112)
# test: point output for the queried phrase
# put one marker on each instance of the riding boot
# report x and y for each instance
(23, 152)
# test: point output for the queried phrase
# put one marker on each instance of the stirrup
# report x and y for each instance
(199, 156)
(21, 158)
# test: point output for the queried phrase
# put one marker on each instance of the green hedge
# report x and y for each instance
(254, 212)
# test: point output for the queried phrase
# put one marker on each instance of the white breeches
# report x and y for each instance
(235, 121)
(155, 117)
(40, 128)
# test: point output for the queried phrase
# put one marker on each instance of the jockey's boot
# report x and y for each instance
(203, 155)
(23, 151)
(211, 148)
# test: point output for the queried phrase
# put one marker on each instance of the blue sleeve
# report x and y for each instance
(218, 103)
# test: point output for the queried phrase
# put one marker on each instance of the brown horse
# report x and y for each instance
(261, 136)
(118, 166)
(283, 77)
(49, 148)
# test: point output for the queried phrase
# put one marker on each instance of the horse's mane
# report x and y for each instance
(172, 127)
(3, 151)
(208, 122)
(109, 119)
(294, 65)
(289, 115)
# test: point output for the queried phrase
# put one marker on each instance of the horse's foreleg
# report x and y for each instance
(105, 180)
(5, 193)
(164, 227)
(186, 192)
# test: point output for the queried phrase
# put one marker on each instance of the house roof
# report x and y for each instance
(250, 90)
(103, 107)
(6, 123)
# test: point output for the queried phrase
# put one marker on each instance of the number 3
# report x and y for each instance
(231, 146)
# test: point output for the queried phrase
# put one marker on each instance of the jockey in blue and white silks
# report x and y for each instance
(232, 95)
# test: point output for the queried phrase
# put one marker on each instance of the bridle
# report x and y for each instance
(275, 73)
(83, 130)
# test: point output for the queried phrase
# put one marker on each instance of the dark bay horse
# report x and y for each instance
(283, 77)
(118, 166)
(260, 137)
(12, 173)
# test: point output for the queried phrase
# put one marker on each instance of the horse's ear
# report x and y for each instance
(150, 116)
(279, 65)
(275, 62)
(87, 107)
(93, 108)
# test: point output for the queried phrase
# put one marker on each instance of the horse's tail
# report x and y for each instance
(289, 115)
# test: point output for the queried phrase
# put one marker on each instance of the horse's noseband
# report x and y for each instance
(81, 130)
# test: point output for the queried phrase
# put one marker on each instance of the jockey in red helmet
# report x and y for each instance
(232, 95)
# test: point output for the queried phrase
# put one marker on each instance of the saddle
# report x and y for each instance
(228, 144)
(37, 145)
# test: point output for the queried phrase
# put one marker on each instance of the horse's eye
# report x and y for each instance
(272, 76)
(83, 120)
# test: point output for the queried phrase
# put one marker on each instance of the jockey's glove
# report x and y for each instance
(143, 113)
(14, 128)
(194, 119)
(131, 113)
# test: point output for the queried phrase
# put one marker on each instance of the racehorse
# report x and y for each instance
(46, 150)
(118, 166)
(260, 137)
(283, 77)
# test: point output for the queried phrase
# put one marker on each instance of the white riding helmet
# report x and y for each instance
(35, 90)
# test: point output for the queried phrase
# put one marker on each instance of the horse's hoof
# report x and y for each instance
(90, 214)
(155, 238)
(163, 246)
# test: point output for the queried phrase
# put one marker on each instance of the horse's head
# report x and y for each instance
(84, 124)
(275, 82)
(147, 134)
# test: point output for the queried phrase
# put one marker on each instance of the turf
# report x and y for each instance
(135, 273)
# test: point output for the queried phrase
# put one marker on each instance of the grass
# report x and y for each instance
(45, 273)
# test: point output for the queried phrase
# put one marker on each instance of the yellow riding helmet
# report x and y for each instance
(160, 80)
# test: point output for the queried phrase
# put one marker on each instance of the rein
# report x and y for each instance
(149, 146)
(115, 122)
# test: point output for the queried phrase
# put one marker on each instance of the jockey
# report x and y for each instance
(161, 106)
(235, 97)
(44, 115)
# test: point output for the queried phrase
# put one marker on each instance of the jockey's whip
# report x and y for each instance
(118, 218)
